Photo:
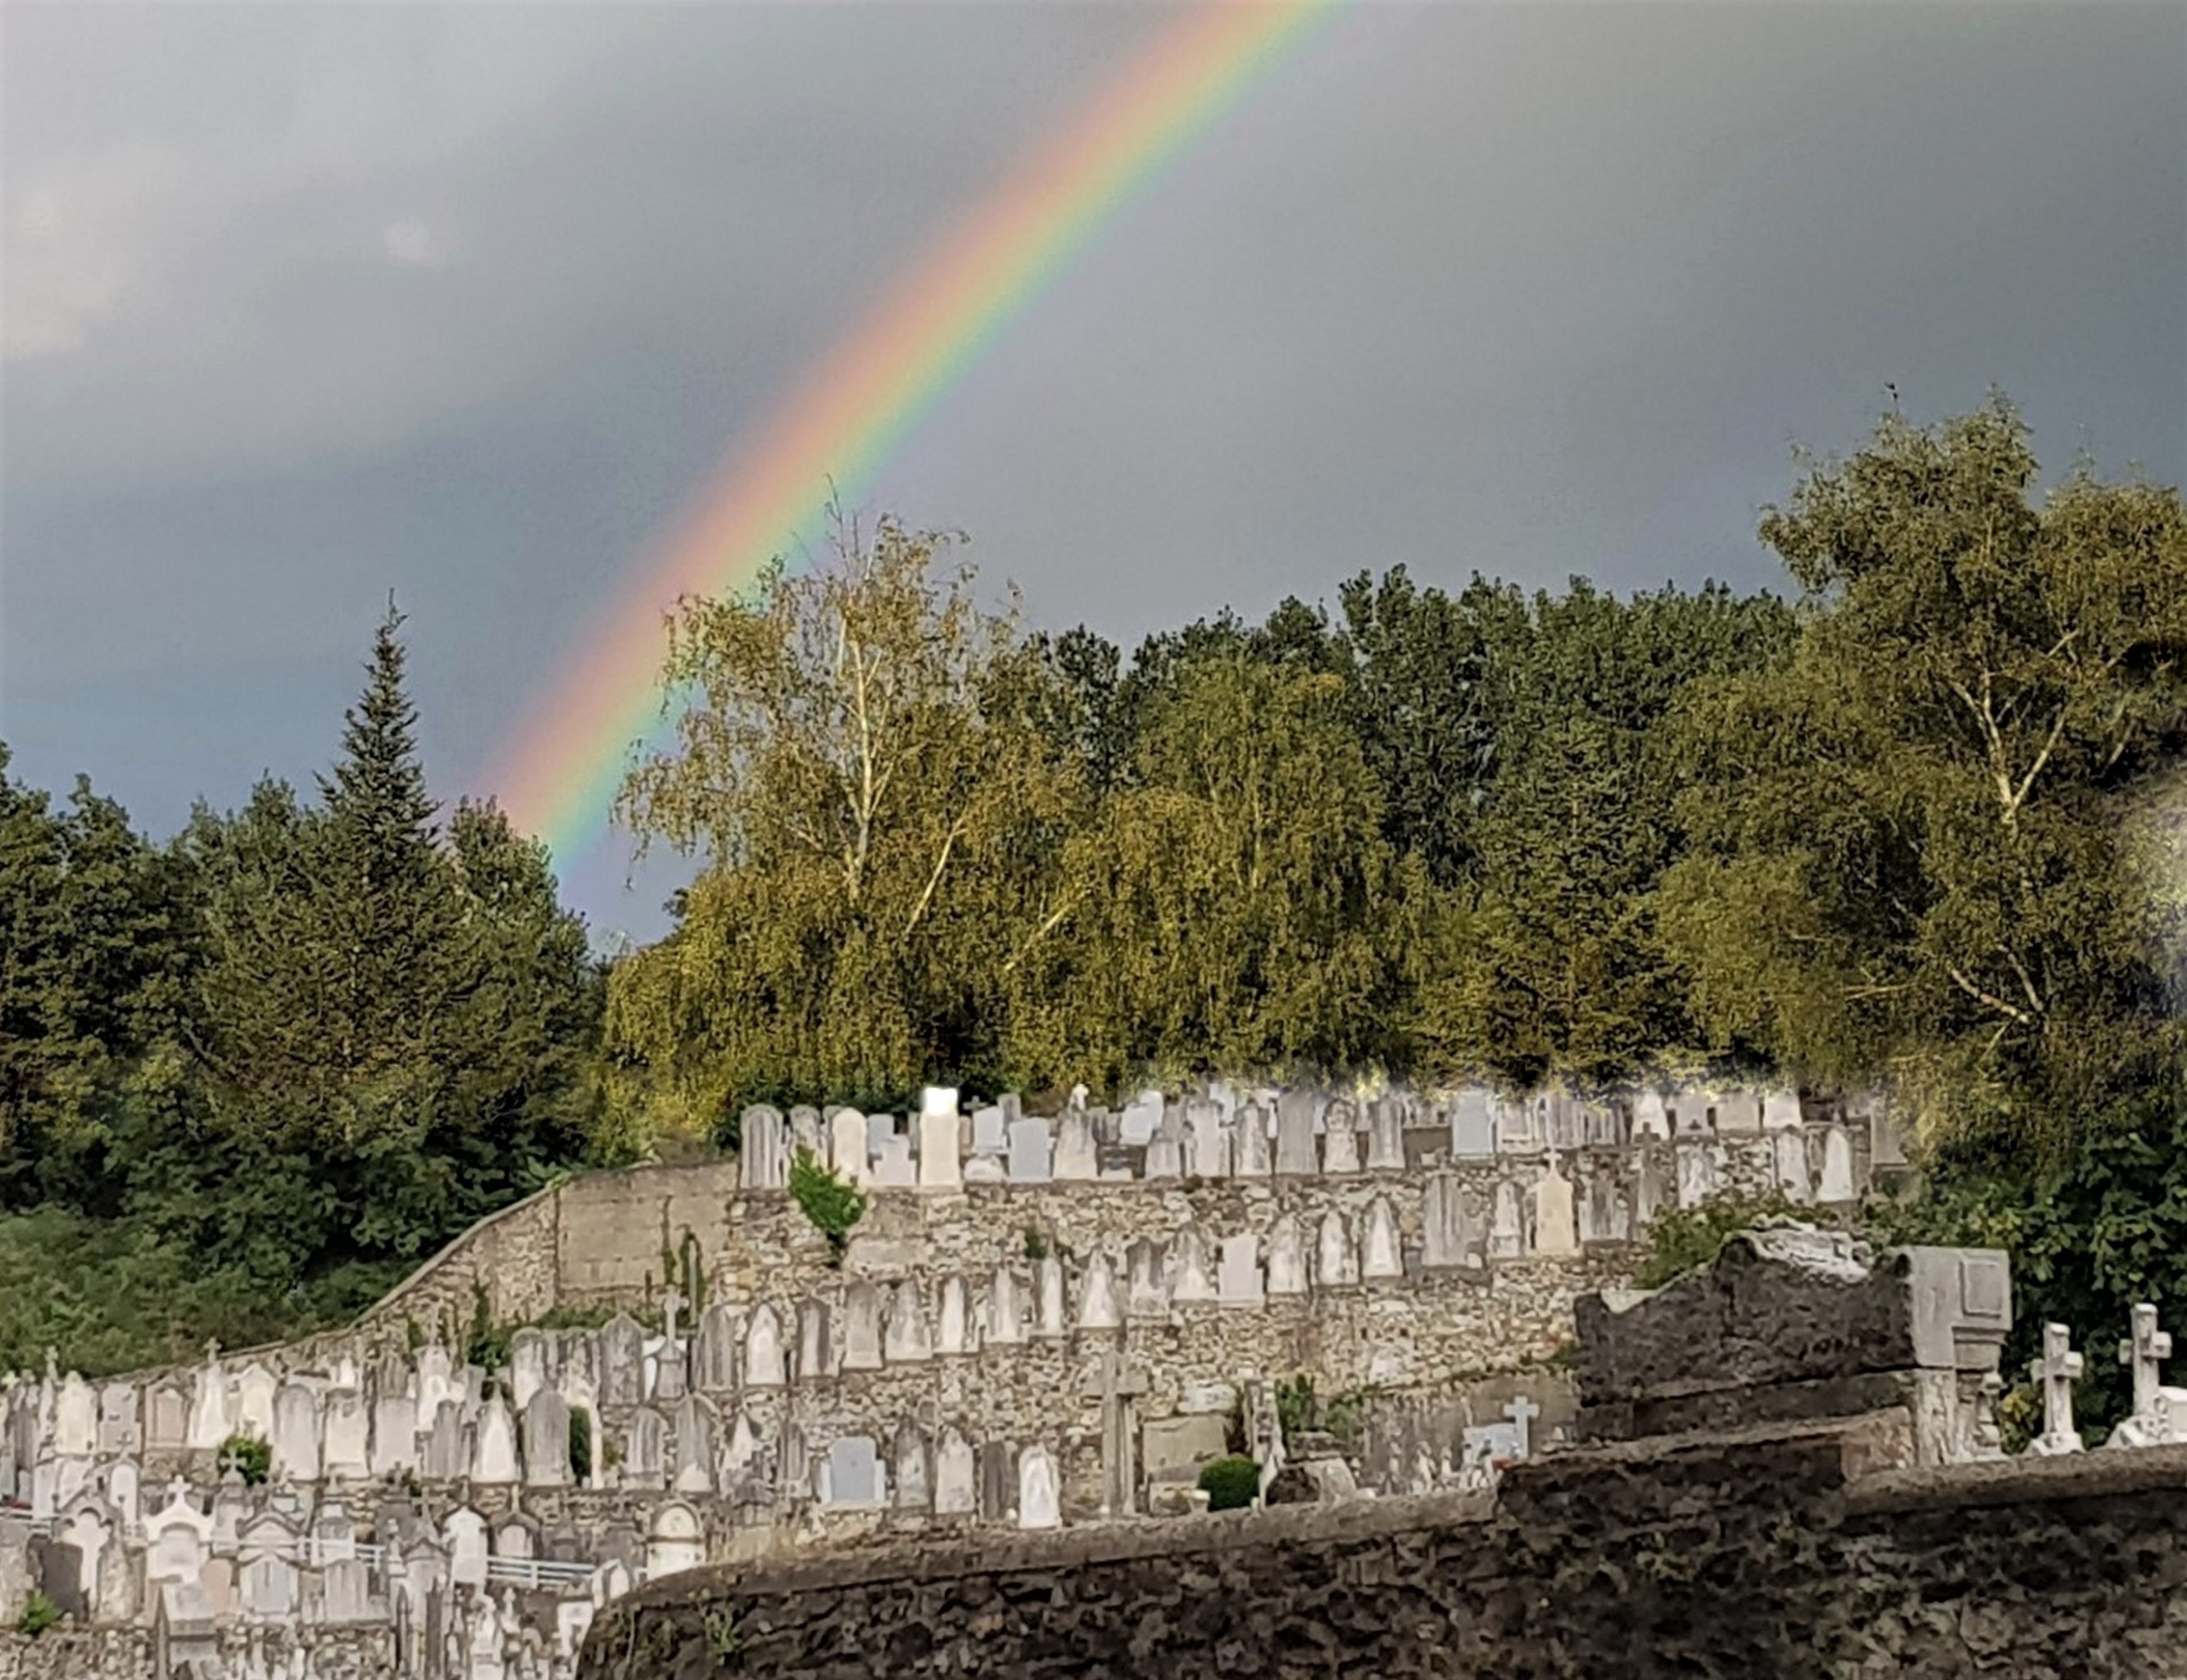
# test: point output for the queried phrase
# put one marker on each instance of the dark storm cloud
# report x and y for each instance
(302, 304)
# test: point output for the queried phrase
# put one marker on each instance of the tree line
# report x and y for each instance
(1916, 820)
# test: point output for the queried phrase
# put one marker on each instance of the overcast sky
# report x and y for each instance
(304, 303)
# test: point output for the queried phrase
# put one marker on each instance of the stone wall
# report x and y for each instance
(1801, 1552)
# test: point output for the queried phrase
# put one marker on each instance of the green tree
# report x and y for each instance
(862, 760)
(1919, 854)
(1226, 910)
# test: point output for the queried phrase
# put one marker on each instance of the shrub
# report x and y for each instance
(1231, 1484)
(1683, 1239)
(39, 1613)
(834, 1207)
(252, 1457)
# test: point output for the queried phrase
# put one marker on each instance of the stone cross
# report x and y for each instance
(2055, 1370)
(2144, 1351)
(1522, 1411)
(671, 1303)
(1116, 1386)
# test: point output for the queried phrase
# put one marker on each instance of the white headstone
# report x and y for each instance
(1210, 1140)
(847, 1146)
(939, 1168)
(1339, 1143)
(1837, 1185)
(1336, 1262)
(1191, 1268)
(1286, 1258)
(1096, 1296)
(1040, 1504)
(1295, 1154)
(863, 1313)
(1556, 1231)
(1029, 1146)
(763, 1349)
(1239, 1275)
(907, 1339)
(762, 1149)
(1380, 1255)
(954, 1334)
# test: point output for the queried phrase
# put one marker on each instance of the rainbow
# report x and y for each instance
(559, 780)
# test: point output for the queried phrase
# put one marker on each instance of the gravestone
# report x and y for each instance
(394, 1435)
(1340, 1138)
(1443, 1235)
(954, 1332)
(1077, 1158)
(997, 1462)
(909, 1463)
(1295, 1153)
(1250, 1142)
(645, 1448)
(892, 1166)
(1140, 1120)
(1165, 1159)
(1049, 1279)
(1286, 1258)
(1556, 1231)
(76, 1419)
(1209, 1138)
(464, 1534)
(296, 1433)
(1116, 1384)
(695, 1421)
(1697, 1172)
(1386, 1135)
(622, 1361)
(1790, 1149)
(847, 1146)
(547, 1440)
(527, 1365)
(763, 1349)
(1651, 1115)
(1472, 1125)
(990, 1133)
(1648, 1188)
(762, 1149)
(493, 1457)
(853, 1471)
(1837, 1184)
(1029, 1146)
(907, 1339)
(816, 1345)
(1380, 1255)
(1191, 1271)
(1336, 1261)
(879, 1128)
(166, 1419)
(714, 1351)
(117, 1420)
(254, 1389)
(1040, 1502)
(956, 1475)
(2055, 1370)
(1097, 1297)
(1146, 1291)
(1507, 1237)
(862, 1328)
(939, 1168)
(808, 1135)
(1005, 1309)
(1239, 1275)
(1608, 1216)
(346, 1435)
(1780, 1110)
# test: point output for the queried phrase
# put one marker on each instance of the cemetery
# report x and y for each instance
(1785, 1465)
(1041, 1324)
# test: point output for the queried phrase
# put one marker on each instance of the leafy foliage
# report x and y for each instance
(1683, 1239)
(39, 1613)
(834, 1207)
(1231, 1484)
(251, 1457)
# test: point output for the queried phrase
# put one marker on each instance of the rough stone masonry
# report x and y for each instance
(1824, 1541)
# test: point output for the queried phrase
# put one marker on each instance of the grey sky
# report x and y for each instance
(304, 303)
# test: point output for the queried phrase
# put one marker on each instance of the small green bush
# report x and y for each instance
(834, 1207)
(1231, 1484)
(39, 1613)
(252, 1457)
(1683, 1239)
